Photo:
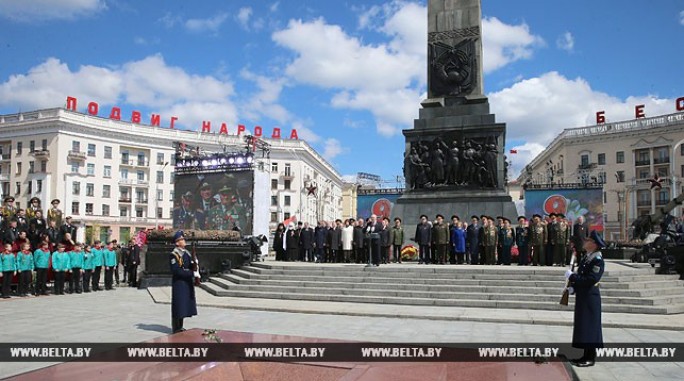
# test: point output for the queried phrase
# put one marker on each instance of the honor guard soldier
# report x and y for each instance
(183, 303)
(224, 216)
(490, 242)
(41, 257)
(8, 265)
(587, 332)
(537, 231)
(34, 206)
(560, 239)
(183, 215)
(55, 214)
(8, 211)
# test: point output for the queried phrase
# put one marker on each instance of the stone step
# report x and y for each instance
(523, 289)
(218, 291)
(506, 295)
(531, 281)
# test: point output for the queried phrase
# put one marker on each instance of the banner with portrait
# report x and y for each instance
(572, 202)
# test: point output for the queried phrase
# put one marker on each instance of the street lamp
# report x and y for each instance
(156, 201)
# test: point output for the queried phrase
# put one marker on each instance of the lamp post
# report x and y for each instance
(156, 201)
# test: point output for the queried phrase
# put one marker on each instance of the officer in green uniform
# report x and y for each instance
(55, 214)
(8, 211)
(440, 235)
(560, 240)
(537, 232)
(490, 242)
(223, 216)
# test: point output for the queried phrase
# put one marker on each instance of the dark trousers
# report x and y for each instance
(359, 256)
(176, 324)
(347, 256)
(87, 275)
(489, 252)
(384, 254)
(375, 252)
(59, 282)
(590, 354)
(24, 282)
(548, 254)
(133, 275)
(319, 254)
(505, 255)
(115, 270)
(7, 283)
(460, 257)
(109, 272)
(523, 258)
(474, 255)
(41, 281)
(125, 273)
(538, 257)
(424, 253)
(396, 253)
(75, 280)
(309, 255)
(96, 278)
(559, 254)
(440, 251)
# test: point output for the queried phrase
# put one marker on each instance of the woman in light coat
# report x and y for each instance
(347, 239)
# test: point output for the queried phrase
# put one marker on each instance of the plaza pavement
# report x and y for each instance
(131, 315)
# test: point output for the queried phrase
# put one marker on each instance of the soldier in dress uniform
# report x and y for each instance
(522, 240)
(490, 241)
(537, 231)
(224, 216)
(54, 213)
(560, 240)
(206, 200)
(587, 332)
(183, 303)
(551, 225)
(183, 215)
(243, 204)
(34, 206)
(8, 211)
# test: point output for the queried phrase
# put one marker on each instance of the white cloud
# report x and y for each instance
(40, 10)
(525, 154)
(566, 42)
(560, 103)
(169, 20)
(274, 7)
(332, 148)
(503, 44)
(211, 24)
(243, 16)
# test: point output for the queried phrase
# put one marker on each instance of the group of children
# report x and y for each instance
(81, 264)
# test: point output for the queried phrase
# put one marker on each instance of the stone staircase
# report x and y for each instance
(536, 288)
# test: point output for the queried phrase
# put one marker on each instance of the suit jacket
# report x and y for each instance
(423, 234)
(306, 238)
(358, 237)
(385, 237)
(473, 237)
(579, 233)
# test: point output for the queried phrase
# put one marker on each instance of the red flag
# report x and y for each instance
(513, 151)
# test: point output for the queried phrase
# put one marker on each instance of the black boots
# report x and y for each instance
(177, 325)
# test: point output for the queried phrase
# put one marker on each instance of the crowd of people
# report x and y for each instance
(541, 241)
(36, 251)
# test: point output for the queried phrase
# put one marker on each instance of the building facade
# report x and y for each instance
(622, 157)
(116, 177)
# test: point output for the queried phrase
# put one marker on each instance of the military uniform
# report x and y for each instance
(34, 206)
(522, 241)
(506, 241)
(537, 242)
(8, 211)
(490, 242)
(55, 214)
(440, 235)
(183, 302)
(560, 241)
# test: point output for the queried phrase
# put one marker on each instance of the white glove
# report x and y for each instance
(196, 274)
(568, 273)
(571, 291)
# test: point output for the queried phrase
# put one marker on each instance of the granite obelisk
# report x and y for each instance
(454, 160)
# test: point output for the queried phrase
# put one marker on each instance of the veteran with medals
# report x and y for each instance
(8, 211)
(223, 216)
(55, 214)
(183, 302)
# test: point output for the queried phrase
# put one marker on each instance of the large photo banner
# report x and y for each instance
(214, 201)
(379, 204)
(574, 202)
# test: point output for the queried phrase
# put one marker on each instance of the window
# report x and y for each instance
(644, 198)
(585, 160)
(123, 173)
(89, 208)
(274, 166)
(288, 170)
(287, 184)
(32, 166)
(663, 171)
(663, 196)
(274, 183)
(138, 212)
(91, 150)
(123, 212)
(141, 158)
(105, 210)
(43, 144)
(124, 157)
(91, 169)
(286, 216)
(620, 157)
(160, 177)
(160, 213)
(74, 167)
(107, 171)
(76, 188)
(107, 152)
(141, 176)
(287, 201)
(17, 189)
(140, 196)
(39, 186)
(605, 200)
(18, 169)
(75, 206)
(20, 145)
(160, 195)
(602, 159)
(90, 190)
(643, 157)
(274, 217)
(661, 155)
(160, 159)
(682, 171)
(643, 173)
(43, 166)
(29, 189)
(106, 191)
(274, 199)
(76, 146)
(602, 177)
(620, 176)
(32, 146)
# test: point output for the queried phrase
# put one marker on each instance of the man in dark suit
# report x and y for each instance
(133, 263)
(320, 234)
(306, 242)
(359, 255)
(336, 242)
(68, 228)
(473, 241)
(373, 229)
(385, 242)
(580, 231)
(423, 238)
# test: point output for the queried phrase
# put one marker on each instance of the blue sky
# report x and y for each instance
(349, 75)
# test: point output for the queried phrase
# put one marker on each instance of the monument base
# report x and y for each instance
(411, 205)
